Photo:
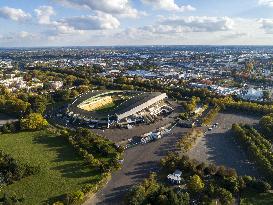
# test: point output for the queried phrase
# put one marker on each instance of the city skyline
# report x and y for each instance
(137, 22)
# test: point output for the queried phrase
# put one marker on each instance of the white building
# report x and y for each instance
(175, 178)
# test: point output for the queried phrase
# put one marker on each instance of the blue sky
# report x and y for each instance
(135, 22)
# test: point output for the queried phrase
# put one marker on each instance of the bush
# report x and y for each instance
(91, 146)
(210, 169)
(10, 127)
(58, 203)
(211, 115)
(260, 186)
(196, 184)
(12, 171)
(11, 199)
(225, 196)
(75, 197)
(188, 141)
(33, 121)
(88, 188)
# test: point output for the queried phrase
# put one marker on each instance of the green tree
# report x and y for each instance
(196, 184)
(266, 95)
(224, 196)
(38, 103)
(33, 121)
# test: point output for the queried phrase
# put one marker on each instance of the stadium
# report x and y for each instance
(113, 108)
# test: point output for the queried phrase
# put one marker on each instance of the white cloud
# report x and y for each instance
(101, 21)
(267, 25)
(199, 23)
(168, 5)
(114, 7)
(24, 34)
(14, 14)
(44, 14)
(74, 25)
(178, 29)
(235, 34)
(19, 37)
(266, 3)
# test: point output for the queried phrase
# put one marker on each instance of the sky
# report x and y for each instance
(29, 23)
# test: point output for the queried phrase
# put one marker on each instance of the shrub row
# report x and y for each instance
(92, 148)
(256, 145)
(189, 140)
(211, 115)
(79, 196)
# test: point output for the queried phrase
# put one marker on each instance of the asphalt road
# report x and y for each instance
(5, 119)
(139, 162)
(220, 147)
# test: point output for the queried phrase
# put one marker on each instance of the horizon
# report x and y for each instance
(135, 46)
(67, 23)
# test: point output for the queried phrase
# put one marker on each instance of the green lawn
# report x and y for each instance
(106, 108)
(62, 171)
(257, 199)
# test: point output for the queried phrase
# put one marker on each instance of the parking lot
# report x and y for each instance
(220, 147)
(139, 162)
(123, 134)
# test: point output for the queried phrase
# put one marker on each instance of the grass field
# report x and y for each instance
(106, 108)
(62, 171)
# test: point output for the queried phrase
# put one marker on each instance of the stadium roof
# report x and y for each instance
(138, 98)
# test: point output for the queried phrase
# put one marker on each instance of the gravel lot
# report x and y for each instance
(219, 145)
(139, 162)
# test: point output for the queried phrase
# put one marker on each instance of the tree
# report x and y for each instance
(266, 124)
(260, 186)
(62, 95)
(38, 103)
(266, 95)
(190, 106)
(196, 184)
(210, 169)
(249, 66)
(231, 184)
(225, 196)
(141, 192)
(33, 121)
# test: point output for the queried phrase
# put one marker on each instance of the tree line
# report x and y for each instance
(259, 148)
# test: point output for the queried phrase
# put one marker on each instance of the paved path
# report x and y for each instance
(5, 119)
(139, 162)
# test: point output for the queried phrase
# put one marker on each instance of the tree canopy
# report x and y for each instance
(33, 121)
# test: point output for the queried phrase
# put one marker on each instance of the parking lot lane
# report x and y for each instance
(139, 162)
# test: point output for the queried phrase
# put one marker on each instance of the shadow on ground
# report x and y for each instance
(224, 150)
(74, 166)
